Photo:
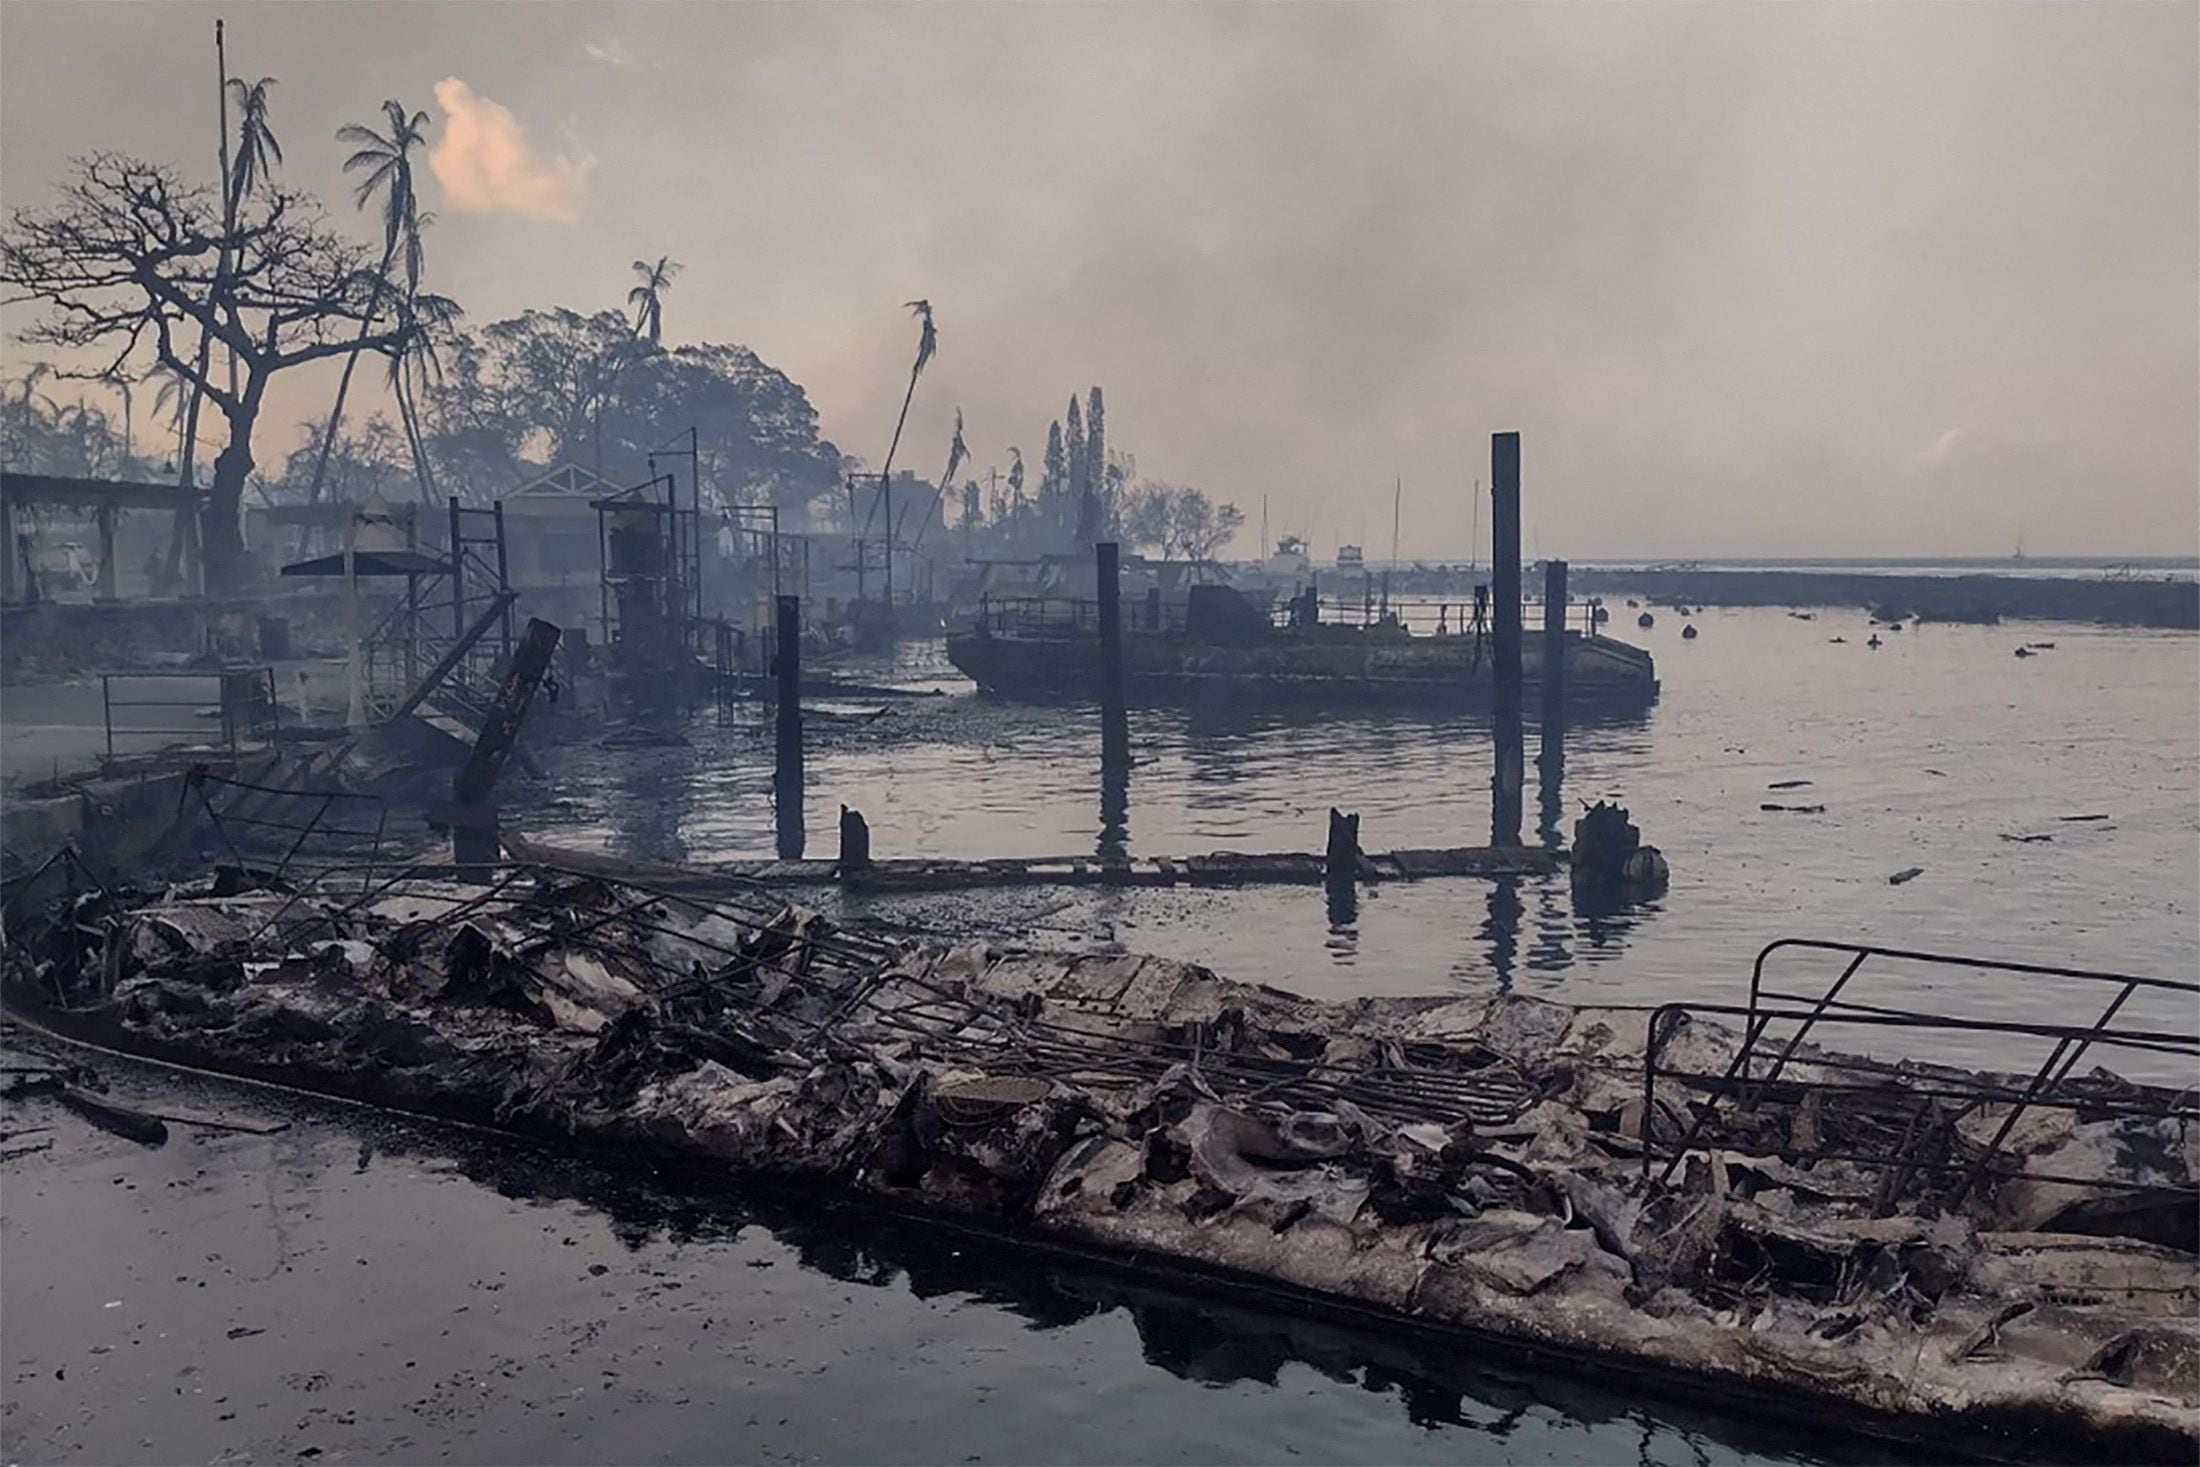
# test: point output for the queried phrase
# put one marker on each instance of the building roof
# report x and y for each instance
(565, 479)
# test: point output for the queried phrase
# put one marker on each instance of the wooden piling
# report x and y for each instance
(1551, 757)
(1115, 740)
(1341, 863)
(1554, 662)
(787, 776)
(1507, 774)
(855, 841)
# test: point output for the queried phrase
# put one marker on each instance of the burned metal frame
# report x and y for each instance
(300, 831)
(516, 887)
(234, 690)
(1002, 1039)
(1935, 1097)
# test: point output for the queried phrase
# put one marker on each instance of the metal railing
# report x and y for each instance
(1901, 1118)
(243, 699)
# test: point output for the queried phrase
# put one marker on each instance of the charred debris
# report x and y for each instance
(1698, 1191)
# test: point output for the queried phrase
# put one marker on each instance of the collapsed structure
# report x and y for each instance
(1940, 1253)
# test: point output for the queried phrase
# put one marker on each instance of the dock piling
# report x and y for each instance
(855, 841)
(1507, 774)
(1551, 757)
(1115, 741)
(787, 778)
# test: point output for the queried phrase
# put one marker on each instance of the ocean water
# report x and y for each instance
(355, 1289)
(361, 1289)
(1940, 750)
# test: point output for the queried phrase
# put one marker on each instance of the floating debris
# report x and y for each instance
(1794, 809)
(1907, 873)
(1787, 784)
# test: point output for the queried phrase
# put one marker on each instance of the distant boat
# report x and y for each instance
(1646, 620)
(1688, 633)
(1226, 647)
(1349, 559)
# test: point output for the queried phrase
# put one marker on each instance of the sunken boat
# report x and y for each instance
(1218, 644)
(1698, 1196)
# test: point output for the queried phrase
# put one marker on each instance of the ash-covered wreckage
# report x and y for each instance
(2004, 1261)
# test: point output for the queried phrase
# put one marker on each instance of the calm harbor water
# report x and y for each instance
(1940, 750)
(360, 1289)
(356, 1290)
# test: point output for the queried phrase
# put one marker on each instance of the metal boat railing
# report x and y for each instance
(1900, 1118)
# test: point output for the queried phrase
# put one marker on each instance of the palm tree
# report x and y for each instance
(432, 317)
(257, 150)
(648, 296)
(171, 399)
(257, 154)
(387, 163)
(957, 451)
(120, 382)
(648, 300)
(928, 343)
(36, 373)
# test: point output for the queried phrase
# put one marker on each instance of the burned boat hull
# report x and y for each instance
(1342, 667)
(1456, 1164)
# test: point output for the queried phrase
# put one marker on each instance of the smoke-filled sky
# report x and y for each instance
(1750, 280)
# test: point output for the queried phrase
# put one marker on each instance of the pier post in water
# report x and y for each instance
(855, 841)
(1507, 774)
(787, 781)
(1341, 867)
(1115, 738)
(1551, 758)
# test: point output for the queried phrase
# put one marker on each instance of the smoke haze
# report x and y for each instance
(1776, 280)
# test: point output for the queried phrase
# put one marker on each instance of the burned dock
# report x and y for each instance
(1935, 1253)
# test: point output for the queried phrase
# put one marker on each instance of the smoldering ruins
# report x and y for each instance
(1712, 1200)
(1686, 980)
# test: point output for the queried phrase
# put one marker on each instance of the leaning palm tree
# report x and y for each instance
(928, 343)
(957, 452)
(387, 163)
(648, 296)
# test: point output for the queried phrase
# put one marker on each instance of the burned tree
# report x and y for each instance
(131, 253)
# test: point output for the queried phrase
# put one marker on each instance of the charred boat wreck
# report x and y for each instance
(1219, 645)
(1655, 1192)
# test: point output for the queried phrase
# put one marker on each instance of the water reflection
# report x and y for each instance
(1439, 1383)
(1501, 928)
(1115, 789)
(654, 778)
